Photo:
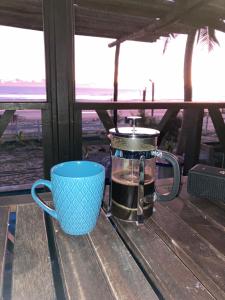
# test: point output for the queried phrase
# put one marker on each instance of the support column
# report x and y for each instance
(193, 140)
(115, 92)
(59, 133)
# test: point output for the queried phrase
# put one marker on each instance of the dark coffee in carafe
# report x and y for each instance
(125, 194)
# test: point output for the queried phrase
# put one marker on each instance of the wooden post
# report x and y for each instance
(59, 56)
(115, 92)
(219, 125)
(143, 99)
(153, 94)
(193, 140)
(165, 122)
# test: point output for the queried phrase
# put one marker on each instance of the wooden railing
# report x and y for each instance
(193, 131)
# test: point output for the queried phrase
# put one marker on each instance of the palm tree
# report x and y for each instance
(207, 37)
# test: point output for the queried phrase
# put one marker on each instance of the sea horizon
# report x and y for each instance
(16, 92)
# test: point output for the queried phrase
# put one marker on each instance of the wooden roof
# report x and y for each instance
(141, 20)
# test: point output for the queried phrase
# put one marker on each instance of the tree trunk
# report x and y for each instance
(187, 90)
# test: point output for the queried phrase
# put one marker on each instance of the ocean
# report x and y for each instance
(38, 93)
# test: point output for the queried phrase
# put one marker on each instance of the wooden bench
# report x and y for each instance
(179, 253)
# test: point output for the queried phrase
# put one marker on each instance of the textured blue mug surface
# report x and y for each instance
(77, 188)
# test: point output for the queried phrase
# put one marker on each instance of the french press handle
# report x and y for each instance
(176, 172)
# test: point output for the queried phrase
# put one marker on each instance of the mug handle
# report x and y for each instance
(176, 171)
(46, 208)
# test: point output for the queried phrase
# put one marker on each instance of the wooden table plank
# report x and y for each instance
(32, 274)
(213, 210)
(80, 271)
(203, 225)
(14, 200)
(98, 266)
(174, 280)
(200, 256)
(124, 276)
(4, 215)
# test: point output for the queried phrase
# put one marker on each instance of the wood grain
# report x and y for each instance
(199, 222)
(122, 273)
(4, 215)
(173, 279)
(198, 254)
(5, 119)
(32, 274)
(98, 266)
(22, 199)
(212, 210)
(192, 131)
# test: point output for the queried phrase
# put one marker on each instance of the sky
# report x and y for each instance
(22, 57)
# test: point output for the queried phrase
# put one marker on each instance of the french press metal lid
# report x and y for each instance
(133, 138)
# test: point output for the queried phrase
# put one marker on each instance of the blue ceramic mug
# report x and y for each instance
(77, 188)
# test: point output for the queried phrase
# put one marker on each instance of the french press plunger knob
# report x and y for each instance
(133, 120)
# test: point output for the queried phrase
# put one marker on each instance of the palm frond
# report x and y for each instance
(167, 41)
(207, 37)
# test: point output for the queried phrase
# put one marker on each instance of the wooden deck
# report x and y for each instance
(179, 253)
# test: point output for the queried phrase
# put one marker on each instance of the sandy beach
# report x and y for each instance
(21, 152)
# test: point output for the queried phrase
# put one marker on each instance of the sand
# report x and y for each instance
(22, 163)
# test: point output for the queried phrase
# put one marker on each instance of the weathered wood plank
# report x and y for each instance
(211, 210)
(199, 222)
(4, 215)
(23, 105)
(32, 274)
(199, 255)
(193, 133)
(115, 83)
(178, 12)
(208, 209)
(173, 279)
(59, 49)
(219, 125)
(124, 276)
(81, 273)
(15, 200)
(98, 266)
(77, 151)
(106, 105)
(50, 153)
(165, 122)
(5, 119)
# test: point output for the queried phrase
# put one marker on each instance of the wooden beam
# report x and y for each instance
(50, 156)
(115, 85)
(106, 105)
(59, 51)
(23, 105)
(105, 119)
(193, 138)
(165, 122)
(219, 125)
(160, 24)
(5, 119)
(127, 7)
(77, 152)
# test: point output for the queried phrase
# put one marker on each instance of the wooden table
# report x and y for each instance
(179, 253)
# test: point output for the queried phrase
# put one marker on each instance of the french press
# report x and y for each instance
(133, 156)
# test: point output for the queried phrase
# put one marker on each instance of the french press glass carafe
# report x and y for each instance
(133, 154)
